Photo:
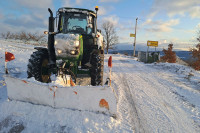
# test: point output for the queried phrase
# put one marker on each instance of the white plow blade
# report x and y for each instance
(79, 97)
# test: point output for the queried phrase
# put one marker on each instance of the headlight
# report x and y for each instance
(59, 51)
(77, 43)
(56, 42)
(73, 52)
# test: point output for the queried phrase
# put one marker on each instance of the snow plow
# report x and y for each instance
(87, 98)
(75, 52)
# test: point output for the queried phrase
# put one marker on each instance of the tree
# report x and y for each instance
(109, 33)
(196, 56)
(169, 55)
(24, 36)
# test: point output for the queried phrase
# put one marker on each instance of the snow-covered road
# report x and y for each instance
(151, 98)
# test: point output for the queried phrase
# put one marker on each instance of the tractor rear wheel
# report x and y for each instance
(96, 70)
(38, 66)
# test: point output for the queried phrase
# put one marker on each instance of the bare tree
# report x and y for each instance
(109, 33)
(25, 37)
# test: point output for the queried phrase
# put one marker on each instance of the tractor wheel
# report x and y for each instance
(96, 70)
(38, 66)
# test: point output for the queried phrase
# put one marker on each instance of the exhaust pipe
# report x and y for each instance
(51, 13)
(51, 48)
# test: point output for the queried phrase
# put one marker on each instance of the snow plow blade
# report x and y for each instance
(87, 98)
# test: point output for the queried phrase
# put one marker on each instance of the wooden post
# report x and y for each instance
(135, 37)
(110, 75)
(110, 66)
(6, 69)
(147, 54)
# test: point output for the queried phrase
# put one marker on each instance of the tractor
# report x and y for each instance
(75, 51)
(75, 48)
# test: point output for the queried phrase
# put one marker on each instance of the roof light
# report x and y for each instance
(96, 8)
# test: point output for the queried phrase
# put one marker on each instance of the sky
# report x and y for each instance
(165, 21)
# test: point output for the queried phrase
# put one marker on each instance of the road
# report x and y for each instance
(147, 98)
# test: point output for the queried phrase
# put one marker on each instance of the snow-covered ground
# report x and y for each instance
(151, 98)
(161, 97)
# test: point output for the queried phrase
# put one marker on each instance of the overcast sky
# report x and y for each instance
(166, 21)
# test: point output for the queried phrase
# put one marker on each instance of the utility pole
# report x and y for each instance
(135, 37)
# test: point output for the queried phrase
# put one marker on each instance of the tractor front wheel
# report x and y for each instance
(96, 70)
(38, 66)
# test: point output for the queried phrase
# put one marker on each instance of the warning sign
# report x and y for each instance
(152, 43)
(132, 35)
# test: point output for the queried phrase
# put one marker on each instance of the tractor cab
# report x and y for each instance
(76, 21)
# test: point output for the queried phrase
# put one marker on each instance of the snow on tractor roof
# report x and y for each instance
(78, 10)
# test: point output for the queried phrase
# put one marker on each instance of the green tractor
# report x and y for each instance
(75, 48)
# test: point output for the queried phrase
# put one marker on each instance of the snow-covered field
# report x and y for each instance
(151, 98)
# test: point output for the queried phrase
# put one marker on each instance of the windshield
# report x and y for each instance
(74, 23)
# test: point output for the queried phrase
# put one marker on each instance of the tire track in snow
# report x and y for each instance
(170, 84)
(146, 100)
(139, 83)
(167, 111)
(126, 104)
(149, 107)
(130, 98)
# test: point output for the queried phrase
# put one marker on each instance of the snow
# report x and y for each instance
(99, 40)
(63, 47)
(72, 10)
(60, 81)
(154, 90)
(158, 97)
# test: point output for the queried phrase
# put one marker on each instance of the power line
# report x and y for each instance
(121, 17)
